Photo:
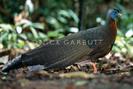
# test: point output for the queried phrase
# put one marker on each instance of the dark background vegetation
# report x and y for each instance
(36, 21)
(25, 24)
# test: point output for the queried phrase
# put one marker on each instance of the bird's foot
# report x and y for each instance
(86, 62)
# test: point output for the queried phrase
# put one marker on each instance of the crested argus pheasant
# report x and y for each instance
(94, 42)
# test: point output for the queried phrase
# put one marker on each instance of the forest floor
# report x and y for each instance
(114, 72)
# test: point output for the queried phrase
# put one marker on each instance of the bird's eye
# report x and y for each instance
(115, 12)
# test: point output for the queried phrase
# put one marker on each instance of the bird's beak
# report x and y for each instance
(119, 14)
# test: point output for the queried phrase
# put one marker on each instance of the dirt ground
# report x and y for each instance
(114, 72)
(21, 80)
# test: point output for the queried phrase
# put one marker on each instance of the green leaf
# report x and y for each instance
(6, 27)
(52, 34)
(20, 43)
(42, 35)
(34, 32)
(74, 16)
(55, 34)
(64, 13)
(38, 25)
(3, 36)
(23, 36)
(54, 22)
(62, 19)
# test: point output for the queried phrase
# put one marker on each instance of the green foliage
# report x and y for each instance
(124, 41)
(53, 19)
(12, 36)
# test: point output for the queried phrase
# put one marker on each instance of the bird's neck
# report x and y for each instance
(112, 24)
(112, 27)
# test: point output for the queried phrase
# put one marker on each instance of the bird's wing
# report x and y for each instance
(59, 53)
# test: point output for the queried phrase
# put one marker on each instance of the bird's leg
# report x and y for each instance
(86, 61)
(92, 63)
(94, 67)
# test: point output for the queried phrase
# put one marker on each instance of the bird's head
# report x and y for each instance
(114, 13)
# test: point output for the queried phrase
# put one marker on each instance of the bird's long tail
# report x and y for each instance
(14, 64)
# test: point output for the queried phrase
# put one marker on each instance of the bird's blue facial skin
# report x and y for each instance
(114, 15)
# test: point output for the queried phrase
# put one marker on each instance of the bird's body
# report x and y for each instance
(95, 43)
